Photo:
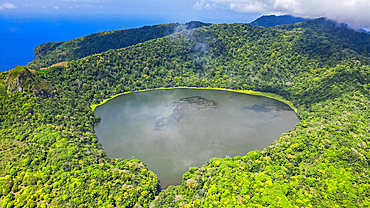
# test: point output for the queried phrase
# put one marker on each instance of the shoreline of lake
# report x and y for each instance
(248, 92)
(154, 127)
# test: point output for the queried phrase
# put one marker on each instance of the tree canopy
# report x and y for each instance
(50, 156)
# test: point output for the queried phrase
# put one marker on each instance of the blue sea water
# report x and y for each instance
(19, 38)
(20, 35)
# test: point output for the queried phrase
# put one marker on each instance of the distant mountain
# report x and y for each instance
(272, 20)
(363, 31)
(51, 53)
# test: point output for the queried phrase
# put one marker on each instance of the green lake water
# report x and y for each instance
(173, 130)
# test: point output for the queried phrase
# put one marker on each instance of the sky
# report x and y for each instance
(353, 12)
(164, 11)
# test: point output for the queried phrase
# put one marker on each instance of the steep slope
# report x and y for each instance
(333, 42)
(22, 80)
(272, 20)
(323, 162)
(52, 53)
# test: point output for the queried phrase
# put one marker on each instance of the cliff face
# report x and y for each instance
(23, 80)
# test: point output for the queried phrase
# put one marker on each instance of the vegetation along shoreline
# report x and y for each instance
(247, 92)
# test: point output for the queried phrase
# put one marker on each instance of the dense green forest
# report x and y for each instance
(50, 157)
(51, 53)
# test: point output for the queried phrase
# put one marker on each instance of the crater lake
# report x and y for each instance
(173, 130)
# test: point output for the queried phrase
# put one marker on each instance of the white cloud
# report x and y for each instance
(199, 5)
(56, 7)
(353, 12)
(6, 6)
(203, 5)
(253, 7)
(86, 1)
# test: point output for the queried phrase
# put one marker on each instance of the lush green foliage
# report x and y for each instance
(52, 53)
(21, 79)
(50, 156)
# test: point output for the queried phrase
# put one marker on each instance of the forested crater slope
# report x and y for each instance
(52, 53)
(50, 156)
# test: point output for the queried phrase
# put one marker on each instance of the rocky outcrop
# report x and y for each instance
(21, 79)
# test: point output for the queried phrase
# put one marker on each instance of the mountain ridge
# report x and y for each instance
(51, 53)
(273, 20)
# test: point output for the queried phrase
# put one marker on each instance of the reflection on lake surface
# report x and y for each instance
(172, 130)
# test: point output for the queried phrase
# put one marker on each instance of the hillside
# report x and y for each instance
(273, 20)
(51, 53)
(349, 44)
(23, 80)
(50, 156)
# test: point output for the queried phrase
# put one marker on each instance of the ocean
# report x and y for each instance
(19, 38)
